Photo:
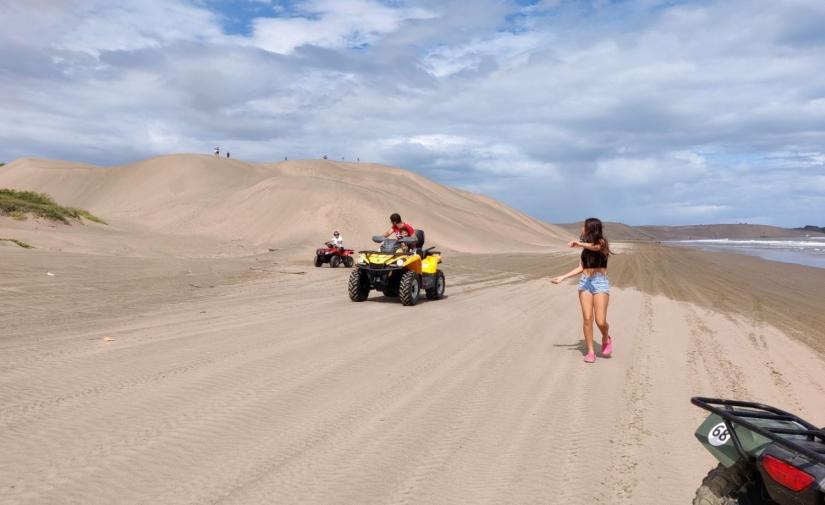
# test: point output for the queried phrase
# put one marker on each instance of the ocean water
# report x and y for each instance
(799, 250)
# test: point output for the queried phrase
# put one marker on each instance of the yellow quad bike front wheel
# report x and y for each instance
(400, 268)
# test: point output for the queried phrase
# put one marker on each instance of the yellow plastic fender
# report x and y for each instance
(429, 265)
(413, 263)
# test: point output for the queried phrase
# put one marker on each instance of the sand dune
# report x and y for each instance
(614, 231)
(287, 204)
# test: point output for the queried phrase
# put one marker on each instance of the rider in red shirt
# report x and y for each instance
(397, 226)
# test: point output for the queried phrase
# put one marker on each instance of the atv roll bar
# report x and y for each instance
(733, 412)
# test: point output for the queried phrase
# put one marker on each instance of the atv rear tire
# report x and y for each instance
(348, 261)
(318, 261)
(410, 289)
(334, 261)
(359, 285)
(437, 292)
(722, 486)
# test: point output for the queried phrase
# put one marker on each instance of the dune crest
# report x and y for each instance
(287, 204)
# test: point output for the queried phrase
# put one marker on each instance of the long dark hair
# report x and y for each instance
(593, 234)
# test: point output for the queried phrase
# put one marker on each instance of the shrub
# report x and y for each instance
(18, 204)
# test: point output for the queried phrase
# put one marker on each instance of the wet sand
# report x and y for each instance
(784, 295)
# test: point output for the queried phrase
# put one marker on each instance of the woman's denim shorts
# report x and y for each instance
(596, 283)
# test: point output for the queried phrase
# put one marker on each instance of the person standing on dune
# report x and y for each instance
(594, 287)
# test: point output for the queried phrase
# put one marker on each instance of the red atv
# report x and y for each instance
(334, 256)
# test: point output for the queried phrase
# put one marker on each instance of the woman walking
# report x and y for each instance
(594, 288)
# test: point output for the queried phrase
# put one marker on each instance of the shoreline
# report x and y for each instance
(777, 254)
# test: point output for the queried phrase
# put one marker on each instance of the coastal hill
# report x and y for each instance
(621, 231)
(290, 204)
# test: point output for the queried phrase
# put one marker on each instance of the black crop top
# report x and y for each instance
(593, 259)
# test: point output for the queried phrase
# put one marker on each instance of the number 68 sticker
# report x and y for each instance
(718, 435)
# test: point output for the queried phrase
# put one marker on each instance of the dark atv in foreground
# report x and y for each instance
(401, 268)
(766, 456)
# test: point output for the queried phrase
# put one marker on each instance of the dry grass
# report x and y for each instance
(20, 204)
(18, 242)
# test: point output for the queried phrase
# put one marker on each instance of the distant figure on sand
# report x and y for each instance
(325, 156)
(217, 151)
(594, 287)
(227, 154)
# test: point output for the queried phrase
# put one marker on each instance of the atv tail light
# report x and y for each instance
(788, 475)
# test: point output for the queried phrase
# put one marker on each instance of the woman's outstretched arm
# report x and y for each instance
(571, 273)
(585, 245)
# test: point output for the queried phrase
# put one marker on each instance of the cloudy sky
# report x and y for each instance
(645, 111)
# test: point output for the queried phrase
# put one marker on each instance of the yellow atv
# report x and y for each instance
(398, 272)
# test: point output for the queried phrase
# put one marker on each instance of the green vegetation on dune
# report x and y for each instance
(19, 204)
(18, 242)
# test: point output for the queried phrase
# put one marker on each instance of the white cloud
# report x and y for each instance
(448, 152)
(699, 212)
(716, 105)
(333, 24)
(505, 49)
(660, 171)
(95, 26)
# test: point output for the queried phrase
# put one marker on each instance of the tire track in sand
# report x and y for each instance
(631, 429)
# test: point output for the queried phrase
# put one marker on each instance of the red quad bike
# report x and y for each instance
(334, 256)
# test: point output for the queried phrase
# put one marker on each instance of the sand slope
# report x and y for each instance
(254, 380)
(614, 231)
(287, 204)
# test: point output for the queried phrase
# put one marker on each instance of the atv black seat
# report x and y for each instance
(419, 234)
(419, 246)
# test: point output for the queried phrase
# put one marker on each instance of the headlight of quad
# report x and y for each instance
(362, 260)
(400, 262)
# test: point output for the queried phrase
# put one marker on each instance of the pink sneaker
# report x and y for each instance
(607, 349)
(590, 358)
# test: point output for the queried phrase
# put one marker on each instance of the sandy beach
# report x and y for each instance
(255, 380)
(198, 201)
(183, 357)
